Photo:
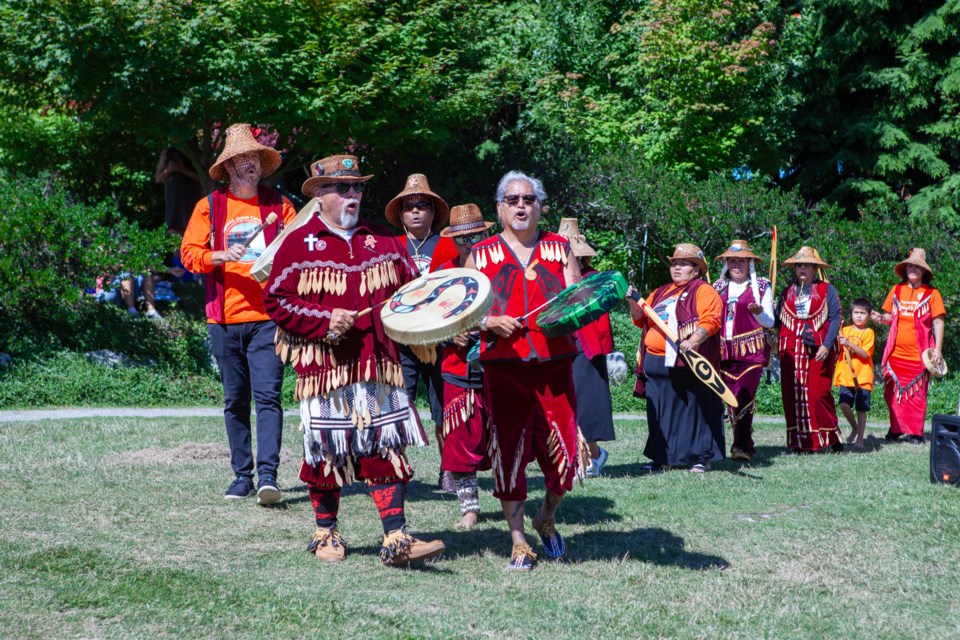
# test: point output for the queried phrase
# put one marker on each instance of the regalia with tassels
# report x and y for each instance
(350, 387)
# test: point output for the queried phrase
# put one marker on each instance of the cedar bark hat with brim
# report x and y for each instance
(332, 169)
(806, 255)
(465, 220)
(918, 257)
(417, 185)
(738, 249)
(240, 140)
(690, 252)
(570, 229)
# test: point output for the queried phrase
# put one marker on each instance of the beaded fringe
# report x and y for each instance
(458, 412)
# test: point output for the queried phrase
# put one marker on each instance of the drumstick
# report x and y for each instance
(407, 288)
(256, 231)
(535, 309)
(700, 366)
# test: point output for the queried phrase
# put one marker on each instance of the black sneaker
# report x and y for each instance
(892, 437)
(917, 440)
(268, 492)
(241, 487)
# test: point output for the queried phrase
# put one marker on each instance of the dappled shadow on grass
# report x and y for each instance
(655, 546)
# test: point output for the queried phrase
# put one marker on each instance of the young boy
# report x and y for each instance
(854, 374)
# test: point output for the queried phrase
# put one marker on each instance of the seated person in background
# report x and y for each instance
(125, 289)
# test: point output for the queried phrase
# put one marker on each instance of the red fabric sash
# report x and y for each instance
(269, 201)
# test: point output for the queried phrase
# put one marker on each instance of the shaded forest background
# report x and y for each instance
(654, 122)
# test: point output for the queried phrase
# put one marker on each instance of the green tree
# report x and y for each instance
(377, 77)
(879, 122)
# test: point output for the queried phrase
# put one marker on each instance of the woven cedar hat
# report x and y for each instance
(918, 257)
(690, 252)
(417, 185)
(570, 229)
(240, 140)
(465, 220)
(332, 169)
(738, 249)
(806, 255)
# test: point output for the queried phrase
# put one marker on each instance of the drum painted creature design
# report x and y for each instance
(471, 288)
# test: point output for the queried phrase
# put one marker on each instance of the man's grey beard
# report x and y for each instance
(518, 225)
(349, 220)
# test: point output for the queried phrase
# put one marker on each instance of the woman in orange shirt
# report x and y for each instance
(915, 312)
(685, 420)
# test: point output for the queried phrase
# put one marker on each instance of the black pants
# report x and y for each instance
(413, 370)
(249, 366)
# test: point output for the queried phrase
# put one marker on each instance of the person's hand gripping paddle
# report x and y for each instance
(700, 366)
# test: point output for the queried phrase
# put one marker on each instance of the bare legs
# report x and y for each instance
(513, 512)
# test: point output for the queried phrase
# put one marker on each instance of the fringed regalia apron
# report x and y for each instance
(528, 378)
(806, 383)
(353, 405)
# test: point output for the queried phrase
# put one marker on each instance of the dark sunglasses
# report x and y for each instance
(419, 204)
(469, 241)
(515, 200)
(343, 188)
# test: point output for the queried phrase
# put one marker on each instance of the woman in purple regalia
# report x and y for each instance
(748, 310)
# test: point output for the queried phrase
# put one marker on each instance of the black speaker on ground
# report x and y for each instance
(945, 450)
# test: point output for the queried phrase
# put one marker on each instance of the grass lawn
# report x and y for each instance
(117, 528)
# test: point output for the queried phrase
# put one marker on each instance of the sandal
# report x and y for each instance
(700, 468)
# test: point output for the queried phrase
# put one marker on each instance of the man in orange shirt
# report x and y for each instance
(222, 241)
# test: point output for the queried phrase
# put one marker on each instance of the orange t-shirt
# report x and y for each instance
(709, 309)
(862, 367)
(906, 347)
(243, 295)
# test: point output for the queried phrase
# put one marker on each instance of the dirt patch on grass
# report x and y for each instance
(184, 454)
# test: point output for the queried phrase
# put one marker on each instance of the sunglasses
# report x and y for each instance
(419, 204)
(343, 188)
(469, 241)
(515, 200)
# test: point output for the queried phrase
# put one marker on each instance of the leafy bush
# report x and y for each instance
(52, 248)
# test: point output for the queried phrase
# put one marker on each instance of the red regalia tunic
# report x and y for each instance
(906, 380)
(465, 415)
(806, 383)
(742, 359)
(528, 378)
(352, 402)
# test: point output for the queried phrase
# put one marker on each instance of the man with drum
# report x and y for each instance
(465, 416)
(356, 416)
(528, 378)
(420, 212)
(222, 240)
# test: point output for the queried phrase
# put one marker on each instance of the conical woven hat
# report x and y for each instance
(806, 255)
(417, 185)
(738, 249)
(691, 252)
(917, 257)
(465, 220)
(570, 229)
(239, 140)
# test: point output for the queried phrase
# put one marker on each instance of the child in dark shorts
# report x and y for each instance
(854, 374)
